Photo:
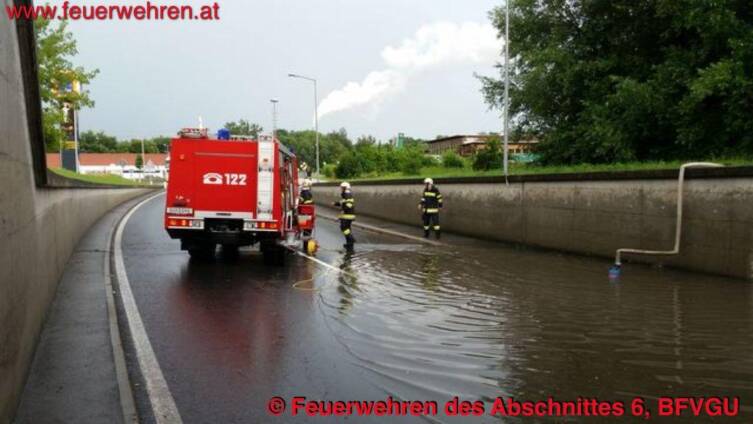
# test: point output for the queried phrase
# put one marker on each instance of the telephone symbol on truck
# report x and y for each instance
(213, 178)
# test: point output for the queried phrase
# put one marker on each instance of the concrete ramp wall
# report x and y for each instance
(592, 214)
(39, 225)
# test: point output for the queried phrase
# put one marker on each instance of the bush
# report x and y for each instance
(329, 170)
(412, 165)
(488, 158)
(430, 160)
(393, 159)
(452, 160)
(349, 166)
(370, 157)
(411, 160)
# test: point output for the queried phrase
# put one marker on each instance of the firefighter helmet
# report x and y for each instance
(307, 182)
(428, 181)
(344, 184)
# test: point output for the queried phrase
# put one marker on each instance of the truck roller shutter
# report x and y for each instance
(266, 180)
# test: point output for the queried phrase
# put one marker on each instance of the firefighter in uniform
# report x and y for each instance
(306, 198)
(304, 167)
(431, 203)
(348, 213)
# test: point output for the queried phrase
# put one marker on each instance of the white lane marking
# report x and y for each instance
(127, 403)
(163, 404)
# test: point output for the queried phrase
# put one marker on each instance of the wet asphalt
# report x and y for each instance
(231, 333)
(470, 319)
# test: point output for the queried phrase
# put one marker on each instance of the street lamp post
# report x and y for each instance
(143, 159)
(274, 118)
(316, 115)
(507, 86)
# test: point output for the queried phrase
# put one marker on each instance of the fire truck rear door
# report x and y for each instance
(225, 182)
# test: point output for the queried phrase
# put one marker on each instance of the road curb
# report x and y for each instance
(160, 399)
(125, 389)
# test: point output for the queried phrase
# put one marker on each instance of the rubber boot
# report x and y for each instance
(426, 233)
(438, 233)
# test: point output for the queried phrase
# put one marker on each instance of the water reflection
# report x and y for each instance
(430, 272)
(482, 323)
(232, 315)
(347, 283)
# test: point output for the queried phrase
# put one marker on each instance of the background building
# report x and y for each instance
(123, 164)
(468, 145)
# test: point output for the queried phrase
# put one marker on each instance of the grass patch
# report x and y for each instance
(528, 169)
(108, 179)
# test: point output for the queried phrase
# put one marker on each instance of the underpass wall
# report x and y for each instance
(39, 225)
(592, 214)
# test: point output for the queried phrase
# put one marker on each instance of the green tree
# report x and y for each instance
(332, 146)
(372, 157)
(365, 140)
(160, 143)
(55, 49)
(302, 143)
(412, 158)
(97, 142)
(413, 142)
(392, 158)
(350, 166)
(134, 146)
(618, 80)
(244, 127)
(341, 136)
(489, 157)
(139, 161)
(125, 147)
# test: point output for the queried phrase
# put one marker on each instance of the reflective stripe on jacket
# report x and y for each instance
(431, 201)
(347, 206)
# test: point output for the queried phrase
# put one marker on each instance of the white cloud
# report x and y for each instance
(445, 43)
(432, 46)
(376, 86)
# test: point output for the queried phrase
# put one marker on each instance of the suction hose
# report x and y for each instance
(616, 269)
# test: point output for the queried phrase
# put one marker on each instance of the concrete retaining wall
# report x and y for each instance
(39, 226)
(589, 213)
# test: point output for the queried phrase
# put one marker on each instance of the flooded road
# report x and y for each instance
(469, 319)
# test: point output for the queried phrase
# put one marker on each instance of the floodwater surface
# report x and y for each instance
(482, 322)
(469, 319)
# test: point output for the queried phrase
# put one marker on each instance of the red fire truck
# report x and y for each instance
(235, 192)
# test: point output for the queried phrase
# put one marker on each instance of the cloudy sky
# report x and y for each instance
(383, 66)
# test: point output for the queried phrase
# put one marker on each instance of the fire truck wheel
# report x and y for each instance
(204, 251)
(274, 255)
(282, 253)
(230, 251)
(267, 253)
